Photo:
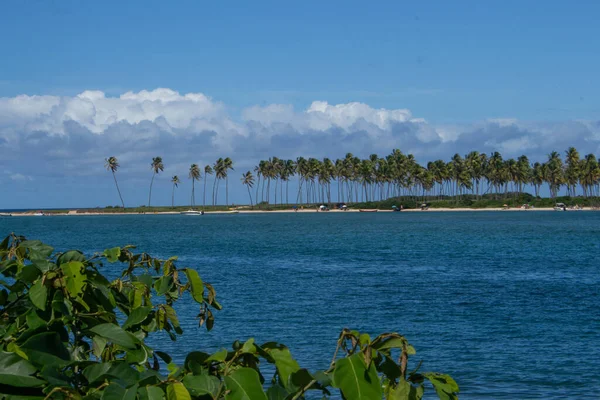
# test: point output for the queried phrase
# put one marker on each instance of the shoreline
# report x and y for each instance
(248, 211)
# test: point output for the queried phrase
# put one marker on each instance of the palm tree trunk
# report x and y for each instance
(214, 184)
(204, 193)
(150, 194)
(118, 191)
(173, 197)
(227, 191)
(193, 199)
(250, 195)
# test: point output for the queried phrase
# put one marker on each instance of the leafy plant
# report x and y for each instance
(67, 332)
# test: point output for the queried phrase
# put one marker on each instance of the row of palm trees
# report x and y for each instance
(397, 174)
(220, 168)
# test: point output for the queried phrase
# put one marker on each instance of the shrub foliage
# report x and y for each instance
(67, 332)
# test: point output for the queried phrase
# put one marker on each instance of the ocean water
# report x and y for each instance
(507, 303)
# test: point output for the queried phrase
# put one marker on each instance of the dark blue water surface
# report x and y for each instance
(506, 302)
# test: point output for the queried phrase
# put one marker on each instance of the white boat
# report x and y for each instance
(192, 212)
(560, 207)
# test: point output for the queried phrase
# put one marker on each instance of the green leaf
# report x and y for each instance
(114, 391)
(75, 280)
(199, 385)
(137, 316)
(176, 391)
(15, 371)
(98, 345)
(112, 255)
(37, 249)
(285, 364)
(163, 285)
(151, 393)
(405, 391)
(46, 349)
(197, 285)
(28, 273)
(72, 255)
(276, 392)
(96, 371)
(244, 384)
(355, 381)
(115, 334)
(445, 387)
(38, 294)
(219, 356)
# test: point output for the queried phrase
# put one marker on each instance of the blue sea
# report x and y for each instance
(508, 303)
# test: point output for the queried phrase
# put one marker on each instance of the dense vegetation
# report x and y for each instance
(397, 175)
(67, 332)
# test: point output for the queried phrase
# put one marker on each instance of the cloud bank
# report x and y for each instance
(55, 139)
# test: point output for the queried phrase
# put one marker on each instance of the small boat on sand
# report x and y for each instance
(192, 212)
(367, 210)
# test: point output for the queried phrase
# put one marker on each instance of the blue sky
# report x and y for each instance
(516, 71)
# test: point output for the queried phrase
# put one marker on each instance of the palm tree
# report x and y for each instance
(112, 165)
(248, 180)
(227, 165)
(175, 180)
(554, 173)
(218, 168)
(156, 166)
(572, 172)
(207, 171)
(194, 175)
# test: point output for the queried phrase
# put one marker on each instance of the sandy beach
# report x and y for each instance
(305, 210)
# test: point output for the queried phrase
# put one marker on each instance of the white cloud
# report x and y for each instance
(20, 177)
(64, 140)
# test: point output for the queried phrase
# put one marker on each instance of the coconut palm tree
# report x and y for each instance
(248, 180)
(194, 175)
(572, 170)
(157, 166)
(554, 173)
(219, 168)
(207, 171)
(112, 165)
(227, 165)
(175, 181)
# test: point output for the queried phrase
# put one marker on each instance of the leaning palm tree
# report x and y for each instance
(175, 180)
(248, 180)
(194, 175)
(156, 166)
(112, 165)
(207, 171)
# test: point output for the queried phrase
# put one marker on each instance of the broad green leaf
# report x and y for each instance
(98, 345)
(176, 391)
(163, 284)
(286, 365)
(28, 273)
(393, 342)
(37, 249)
(75, 280)
(112, 255)
(195, 360)
(244, 384)
(276, 392)
(355, 381)
(114, 391)
(196, 284)
(445, 387)
(219, 356)
(72, 255)
(38, 294)
(405, 391)
(137, 316)
(46, 349)
(172, 316)
(199, 385)
(96, 371)
(249, 346)
(151, 393)
(116, 334)
(15, 371)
